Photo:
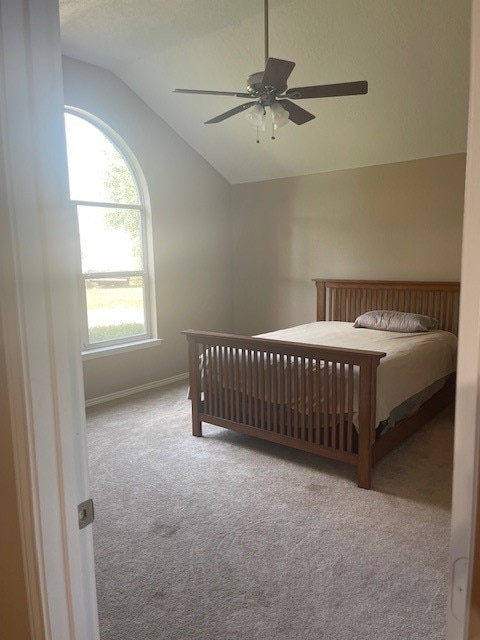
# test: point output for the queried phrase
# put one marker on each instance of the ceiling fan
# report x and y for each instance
(268, 88)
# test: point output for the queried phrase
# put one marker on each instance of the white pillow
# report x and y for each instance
(395, 321)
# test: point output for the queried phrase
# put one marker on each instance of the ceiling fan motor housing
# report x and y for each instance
(256, 87)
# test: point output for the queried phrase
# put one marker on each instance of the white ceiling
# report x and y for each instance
(414, 54)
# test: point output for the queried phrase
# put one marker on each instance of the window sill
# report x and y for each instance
(115, 349)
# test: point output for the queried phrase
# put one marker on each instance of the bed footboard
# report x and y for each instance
(317, 399)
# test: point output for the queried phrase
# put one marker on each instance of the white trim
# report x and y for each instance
(120, 348)
(130, 392)
(107, 205)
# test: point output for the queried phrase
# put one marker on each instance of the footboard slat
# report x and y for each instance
(231, 375)
(268, 394)
(326, 393)
(243, 394)
(219, 360)
(334, 413)
(281, 396)
(261, 396)
(318, 401)
(350, 409)
(255, 416)
(311, 401)
(238, 386)
(341, 407)
(288, 385)
(227, 382)
(295, 402)
(303, 397)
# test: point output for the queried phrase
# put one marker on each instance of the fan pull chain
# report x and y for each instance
(258, 140)
(273, 131)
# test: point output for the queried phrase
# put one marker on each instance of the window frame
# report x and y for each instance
(147, 273)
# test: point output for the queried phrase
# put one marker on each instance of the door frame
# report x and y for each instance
(39, 320)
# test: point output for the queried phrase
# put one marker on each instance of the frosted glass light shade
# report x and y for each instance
(279, 115)
(256, 116)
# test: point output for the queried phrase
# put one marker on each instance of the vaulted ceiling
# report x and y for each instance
(414, 54)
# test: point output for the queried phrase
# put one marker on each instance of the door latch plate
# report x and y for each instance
(86, 513)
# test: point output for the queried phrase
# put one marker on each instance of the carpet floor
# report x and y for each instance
(227, 537)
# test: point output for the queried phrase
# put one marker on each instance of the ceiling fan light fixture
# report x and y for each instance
(279, 115)
(256, 116)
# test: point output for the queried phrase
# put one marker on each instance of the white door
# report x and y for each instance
(39, 316)
(467, 418)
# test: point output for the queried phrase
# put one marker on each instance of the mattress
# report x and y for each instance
(414, 361)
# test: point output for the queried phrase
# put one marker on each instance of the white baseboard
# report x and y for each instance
(133, 390)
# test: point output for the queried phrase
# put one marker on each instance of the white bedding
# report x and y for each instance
(413, 362)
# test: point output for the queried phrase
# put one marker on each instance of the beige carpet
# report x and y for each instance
(228, 538)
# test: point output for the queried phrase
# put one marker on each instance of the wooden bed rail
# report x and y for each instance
(314, 398)
(344, 300)
(355, 356)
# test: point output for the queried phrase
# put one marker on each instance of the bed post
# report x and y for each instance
(321, 293)
(367, 418)
(195, 384)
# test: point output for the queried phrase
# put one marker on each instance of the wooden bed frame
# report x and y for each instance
(266, 389)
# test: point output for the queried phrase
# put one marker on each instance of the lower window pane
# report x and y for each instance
(115, 308)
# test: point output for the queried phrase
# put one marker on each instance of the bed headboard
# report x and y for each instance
(344, 300)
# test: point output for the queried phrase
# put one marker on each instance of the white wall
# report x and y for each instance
(190, 205)
(394, 221)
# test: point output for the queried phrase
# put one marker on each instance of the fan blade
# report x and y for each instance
(238, 94)
(295, 113)
(329, 90)
(232, 112)
(277, 72)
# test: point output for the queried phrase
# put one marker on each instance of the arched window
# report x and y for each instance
(112, 227)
